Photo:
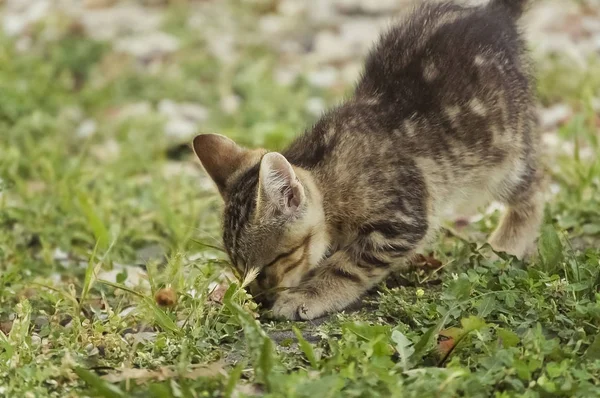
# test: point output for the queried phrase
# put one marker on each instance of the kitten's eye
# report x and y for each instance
(284, 255)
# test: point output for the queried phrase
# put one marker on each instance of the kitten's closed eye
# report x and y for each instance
(284, 255)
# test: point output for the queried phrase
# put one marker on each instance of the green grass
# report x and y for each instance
(72, 208)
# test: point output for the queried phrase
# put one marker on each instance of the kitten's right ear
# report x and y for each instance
(220, 157)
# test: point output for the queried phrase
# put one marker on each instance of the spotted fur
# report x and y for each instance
(442, 117)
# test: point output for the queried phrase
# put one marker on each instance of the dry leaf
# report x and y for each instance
(427, 261)
(166, 297)
(5, 327)
(217, 293)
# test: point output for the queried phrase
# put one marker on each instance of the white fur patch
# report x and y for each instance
(430, 72)
(410, 128)
(477, 107)
(452, 112)
(479, 60)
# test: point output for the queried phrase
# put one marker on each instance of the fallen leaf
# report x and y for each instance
(427, 261)
(217, 293)
(445, 345)
(5, 327)
(166, 297)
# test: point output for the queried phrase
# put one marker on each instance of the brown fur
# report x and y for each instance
(443, 117)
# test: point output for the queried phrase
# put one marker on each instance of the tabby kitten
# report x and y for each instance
(442, 116)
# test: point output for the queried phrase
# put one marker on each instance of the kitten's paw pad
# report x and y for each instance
(297, 306)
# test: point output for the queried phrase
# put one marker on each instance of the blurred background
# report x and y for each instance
(99, 100)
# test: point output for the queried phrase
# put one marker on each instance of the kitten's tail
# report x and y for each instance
(514, 7)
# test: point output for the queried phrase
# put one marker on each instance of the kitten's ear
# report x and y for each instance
(220, 157)
(279, 184)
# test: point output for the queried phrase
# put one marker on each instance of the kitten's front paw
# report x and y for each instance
(296, 305)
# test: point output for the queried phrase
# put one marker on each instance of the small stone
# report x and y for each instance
(183, 118)
(148, 45)
(193, 111)
(107, 151)
(187, 110)
(321, 12)
(136, 109)
(136, 276)
(126, 312)
(360, 34)
(153, 252)
(351, 72)
(180, 129)
(324, 77)
(554, 116)
(329, 47)
(87, 128)
(315, 106)
(230, 104)
(286, 76)
(272, 24)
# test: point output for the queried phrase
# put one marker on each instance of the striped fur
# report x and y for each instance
(442, 117)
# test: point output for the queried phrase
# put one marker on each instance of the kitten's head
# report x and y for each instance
(273, 220)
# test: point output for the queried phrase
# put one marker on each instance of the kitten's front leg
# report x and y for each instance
(338, 282)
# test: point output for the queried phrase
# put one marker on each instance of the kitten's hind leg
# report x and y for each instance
(519, 226)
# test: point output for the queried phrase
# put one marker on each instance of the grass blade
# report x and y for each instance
(306, 348)
(101, 387)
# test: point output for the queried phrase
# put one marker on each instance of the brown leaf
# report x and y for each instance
(427, 261)
(166, 297)
(447, 340)
(445, 345)
(5, 327)
(216, 295)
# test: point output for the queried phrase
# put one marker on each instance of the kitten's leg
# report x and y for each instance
(334, 285)
(519, 226)
(344, 277)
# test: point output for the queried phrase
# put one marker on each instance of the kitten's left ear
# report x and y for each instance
(279, 184)
(220, 157)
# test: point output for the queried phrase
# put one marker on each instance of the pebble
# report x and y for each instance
(133, 110)
(287, 75)
(108, 151)
(21, 16)
(315, 106)
(554, 115)
(183, 118)
(136, 276)
(35, 340)
(328, 47)
(230, 104)
(323, 77)
(87, 128)
(146, 46)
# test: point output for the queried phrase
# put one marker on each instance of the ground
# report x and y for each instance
(112, 279)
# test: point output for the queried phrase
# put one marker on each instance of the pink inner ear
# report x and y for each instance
(293, 196)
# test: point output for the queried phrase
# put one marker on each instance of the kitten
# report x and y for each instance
(442, 116)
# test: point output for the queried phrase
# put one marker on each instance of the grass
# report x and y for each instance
(80, 215)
